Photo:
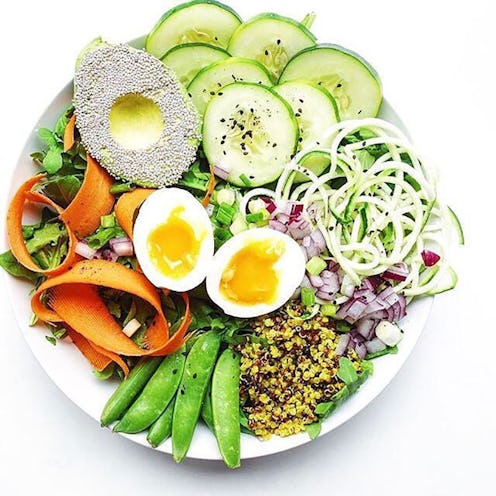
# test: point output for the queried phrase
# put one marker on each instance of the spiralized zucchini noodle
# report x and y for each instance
(373, 212)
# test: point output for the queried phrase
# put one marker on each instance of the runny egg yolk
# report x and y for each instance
(174, 247)
(250, 277)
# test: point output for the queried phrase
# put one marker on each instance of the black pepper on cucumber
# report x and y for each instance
(212, 78)
(351, 80)
(270, 39)
(249, 134)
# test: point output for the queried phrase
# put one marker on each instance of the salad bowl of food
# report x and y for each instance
(227, 224)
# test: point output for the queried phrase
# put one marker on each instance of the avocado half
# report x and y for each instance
(133, 115)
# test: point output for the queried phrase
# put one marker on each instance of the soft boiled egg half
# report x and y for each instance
(255, 272)
(173, 239)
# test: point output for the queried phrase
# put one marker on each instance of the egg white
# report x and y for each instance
(154, 212)
(290, 268)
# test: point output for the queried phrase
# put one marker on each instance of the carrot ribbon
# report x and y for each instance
(73, 298)
(81, 217)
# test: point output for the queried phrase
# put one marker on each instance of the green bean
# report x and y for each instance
(225, 407)
(128, 389)
(156, 395)
(197, 372)
(206, 411)
(161, 429)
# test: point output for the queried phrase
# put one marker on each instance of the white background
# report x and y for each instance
(433, 431)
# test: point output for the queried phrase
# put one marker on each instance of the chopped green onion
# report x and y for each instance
(315, 266)
(245, 180)
(259, 216)
(328, 309)
(107, 220)
(226, 195)
(118, 188)
(307, 297)
(222, 234)
(225, 213)
(255, 206)
(342, 326)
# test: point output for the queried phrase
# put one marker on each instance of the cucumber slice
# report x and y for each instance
(457, 225)
(189, 59)
(352, 81)
(272, 40)
(205, 21)
(316, 161)
(219, 74)
(448, 281)
(250, 133)
(315, 110)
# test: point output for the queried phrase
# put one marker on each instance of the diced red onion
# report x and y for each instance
(356, 310)
(430, 258)
(221, 172)
(333, 266)
(283, 218)
(306, 241)
(305, 283)
(327, 288)
(269, 204)
(84, 250)
(106, 254)
(397, 272)
(318, 239)
(299, 230)
(361, 350)
(372, 282)
(296, 209)
(313, 251)
(375, 345)
(365, 327)
(323, 295)
(277, 225)
(123, 247)
(343, 342)
(316, 281)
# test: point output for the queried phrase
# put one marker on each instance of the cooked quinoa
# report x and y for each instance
(290, 371)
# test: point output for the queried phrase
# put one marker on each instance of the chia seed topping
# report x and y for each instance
(111, 71)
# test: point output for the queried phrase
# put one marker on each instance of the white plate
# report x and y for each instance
(72, 374)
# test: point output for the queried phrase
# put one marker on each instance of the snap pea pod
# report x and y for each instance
(161, 429)
(225, 407)
(128, 389)
(197, 372)
(206, 411)
(156, 395)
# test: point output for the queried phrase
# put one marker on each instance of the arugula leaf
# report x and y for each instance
(313, 430)
(106, 373)
(195, 178)
(14, 268)
(47, 235)
(53, 161)
(346, 371)
(325, 409)
(389, 350)
(243, 421)
(62, 121)
(62, 190)
(103, 235)
(49, 138)
(366, 159)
